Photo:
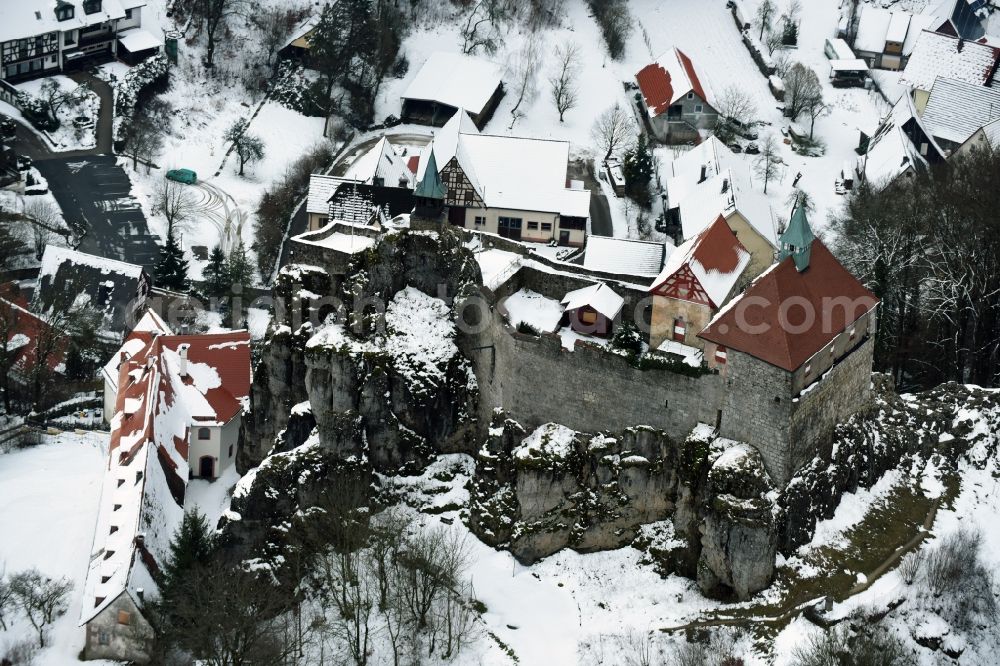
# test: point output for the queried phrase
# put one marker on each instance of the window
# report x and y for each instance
(533, 225)
(124, 617)
(680, 329)
(204, 433)
(690, 95)
(103, 638)
(573, 223)
(91, 6)
(509, 227)
(546, 226)
(69, 38)
(721, 355)
(480, 221)
(588, 316)
(469, 199)
(698, 108)
(64, 12)
(128, 14)
(230, 450)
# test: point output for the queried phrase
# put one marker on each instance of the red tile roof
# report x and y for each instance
(668, 79)
(751, 323)
(23, 330)
(718, 248)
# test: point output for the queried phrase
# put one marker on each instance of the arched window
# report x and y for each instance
(204, 433)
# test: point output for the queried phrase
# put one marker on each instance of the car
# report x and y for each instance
(735, 147)
(752, 149)
(186, 176)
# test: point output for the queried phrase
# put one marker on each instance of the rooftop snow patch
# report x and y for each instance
(532, 308)
(455, 80)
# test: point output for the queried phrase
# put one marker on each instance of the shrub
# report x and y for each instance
(527, 329)
(909, 566)
(279, 202)
(628, 339)
(961, 584)
(870, 646)
(131, 87)
(613, 18)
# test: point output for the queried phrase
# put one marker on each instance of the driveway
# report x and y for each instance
(600, 211)
(94, 194)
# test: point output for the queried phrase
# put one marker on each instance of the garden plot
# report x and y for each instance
(77, 109)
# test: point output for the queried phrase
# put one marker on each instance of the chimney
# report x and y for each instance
(183, 369)
(725, 185)
(961, 44)
(704, 173)
(141, 593)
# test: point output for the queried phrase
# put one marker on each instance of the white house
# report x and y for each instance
(516, 187)
(178, 403)
(675, 99)
(39, 37)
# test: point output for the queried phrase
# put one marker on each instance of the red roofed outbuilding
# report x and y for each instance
(675, 98)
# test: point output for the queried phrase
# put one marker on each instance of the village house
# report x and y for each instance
(28, 337)
(700, 277)
(674, 100)
(114, 289)
(901, 146)
(297, 45)
(40, 37)
(448, 82)
(885, 39)
(956, 109)
(346, 200)
(986, 137)
(178, 403)
(794, 372)
(937, 55)
(511, 186)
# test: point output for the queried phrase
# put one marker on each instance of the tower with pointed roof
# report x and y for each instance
(429, 194)
(797, 240)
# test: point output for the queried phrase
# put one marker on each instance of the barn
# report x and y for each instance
(451, 81)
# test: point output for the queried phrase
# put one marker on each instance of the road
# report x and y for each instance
(600, 211)
(94, 194)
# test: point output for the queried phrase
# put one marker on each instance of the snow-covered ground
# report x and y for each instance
(83, 109)
(49, 496)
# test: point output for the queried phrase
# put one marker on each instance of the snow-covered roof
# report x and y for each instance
(148, 326)
(381, 165)
(455, 80)
(937, 55)
(497, 167)
(29, 18)
(872, 28)
(532, 308)
(302, 30)
(598, 296)
(991, 134)
(690, 355)
(623, 256)
(956, 109)
(899, 22)
(170, 385)
(321, 189)
(715, 256)
(709, 158)
(55, 256)
(668, 79)
(337, 236)
(852, 65)
(724, 194)
(890, 153)
(137, 39)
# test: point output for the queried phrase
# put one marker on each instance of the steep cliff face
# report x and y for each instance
(556, 488)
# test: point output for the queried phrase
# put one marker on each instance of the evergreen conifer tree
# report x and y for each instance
(191, 546)
(240, 269)
(172, 267)
(638, 170)
(216, 273)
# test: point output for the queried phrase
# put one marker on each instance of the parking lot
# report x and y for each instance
(96, 191)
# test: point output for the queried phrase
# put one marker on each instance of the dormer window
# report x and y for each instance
(91, 6)
(65, 11)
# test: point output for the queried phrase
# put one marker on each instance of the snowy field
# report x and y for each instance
(49, 496)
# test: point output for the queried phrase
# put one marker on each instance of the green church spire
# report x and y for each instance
(797, 240)
(430, 186)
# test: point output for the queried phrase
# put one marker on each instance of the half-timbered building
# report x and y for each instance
(699, 278)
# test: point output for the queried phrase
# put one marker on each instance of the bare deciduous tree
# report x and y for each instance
(815, 107)
(736, 104)
(563, 80)
(482, 27)
(214, 14)
(613, 130)
(177, 204)
(42, 599)
(768, 160)
(765, 12)
(802, 86)
(45, 222)
(248, 147)
(524, 74)
(772, 40)
(143, 139)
